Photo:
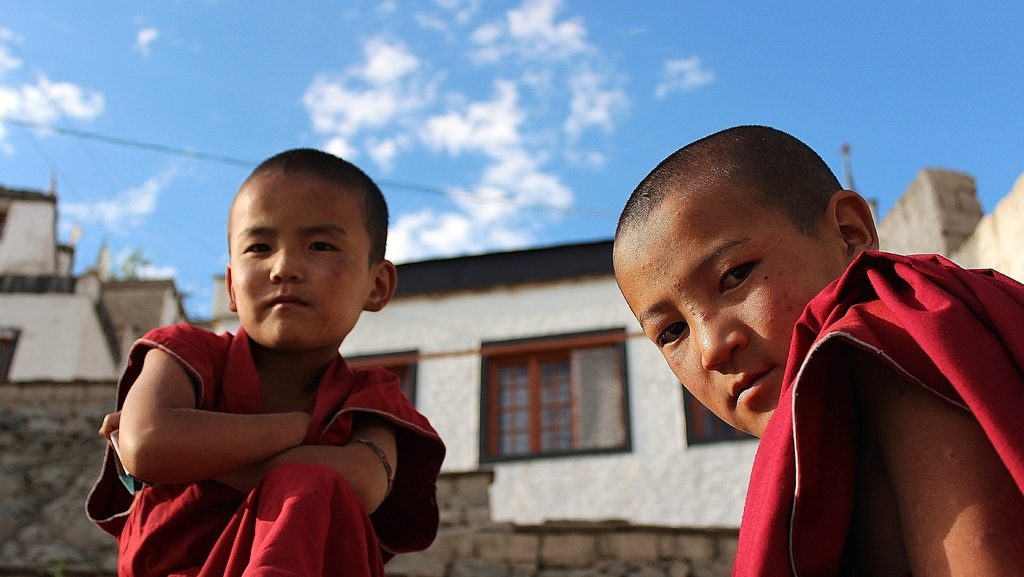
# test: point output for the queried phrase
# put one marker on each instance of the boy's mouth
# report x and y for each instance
(286, 300)
(745, 385)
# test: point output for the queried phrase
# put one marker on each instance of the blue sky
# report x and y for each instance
(489, 125)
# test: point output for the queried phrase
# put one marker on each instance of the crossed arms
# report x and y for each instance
(163, 438)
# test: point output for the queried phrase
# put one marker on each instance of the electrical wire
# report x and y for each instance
(246, 163)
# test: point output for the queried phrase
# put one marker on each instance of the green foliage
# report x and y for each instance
(132, 266)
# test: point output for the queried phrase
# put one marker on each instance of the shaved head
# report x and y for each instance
(776, 168)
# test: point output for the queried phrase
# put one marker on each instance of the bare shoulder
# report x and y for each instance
(959, 508)
(163, 382)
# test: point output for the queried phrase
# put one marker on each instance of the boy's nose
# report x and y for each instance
(719, 346)
(285, 269)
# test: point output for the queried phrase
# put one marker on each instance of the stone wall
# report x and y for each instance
(469, 544)
(50, 455)
(999, 237)
(936, 214)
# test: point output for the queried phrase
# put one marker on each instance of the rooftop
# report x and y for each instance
(483, 271)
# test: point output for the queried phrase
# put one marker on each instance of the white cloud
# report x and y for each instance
(384, 90)
(682, 75)
(8, 62)
(456, 14)
(144, 37)
(383, 152)
(462, 10)
(586, 158)
(593, 104)
(432, 22)
(155, 271)
(40, 100)
(126, 210)
(428, 233)
(550, 92)
(490, 127)
(531, 31)
(520, 172)
(491, 214)
(387, 63)
(46, 102)
(408, 235)
(340, 147)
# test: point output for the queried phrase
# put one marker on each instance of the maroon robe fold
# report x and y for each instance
(956, 333)
(206, 528)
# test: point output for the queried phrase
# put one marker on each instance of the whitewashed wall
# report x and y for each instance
(660, 481)
(60, 340)
(27, 247)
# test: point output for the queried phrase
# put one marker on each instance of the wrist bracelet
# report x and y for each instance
(380, 456)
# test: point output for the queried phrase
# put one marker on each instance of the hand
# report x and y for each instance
(111, 423)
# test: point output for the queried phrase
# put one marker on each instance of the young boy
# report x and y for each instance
(261, 452)
(888, 391)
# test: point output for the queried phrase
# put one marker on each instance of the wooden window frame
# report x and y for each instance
(494, 355)
(407, 360)
(694, 414)
(9, 343)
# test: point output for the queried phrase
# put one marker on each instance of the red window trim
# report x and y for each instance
(694, 412)
(404, 364)
(558, 347)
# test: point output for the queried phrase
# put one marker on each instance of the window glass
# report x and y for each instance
(554, 396)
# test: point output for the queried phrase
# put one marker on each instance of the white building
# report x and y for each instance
(529, 363)
(54, 326)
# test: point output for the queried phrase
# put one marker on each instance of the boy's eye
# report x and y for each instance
(320, 245)
(736, 276)
(257, 247)
(673, 333)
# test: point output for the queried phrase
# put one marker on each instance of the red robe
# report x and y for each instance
(300, 519)
(957, 333)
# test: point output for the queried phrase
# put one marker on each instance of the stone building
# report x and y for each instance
(55, 326)
(42, 307)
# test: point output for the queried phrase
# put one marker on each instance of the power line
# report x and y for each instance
(245, 163)
(129, 143)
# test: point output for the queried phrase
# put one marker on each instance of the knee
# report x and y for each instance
(307, 485)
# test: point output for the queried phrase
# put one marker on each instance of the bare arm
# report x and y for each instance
(358, 463)
(164, 439)
(958, 506)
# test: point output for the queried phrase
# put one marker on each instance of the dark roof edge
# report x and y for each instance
(25, 194)
(509, 268)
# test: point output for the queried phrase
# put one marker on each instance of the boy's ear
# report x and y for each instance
(384, 277)
(852, 219)
(231, 290)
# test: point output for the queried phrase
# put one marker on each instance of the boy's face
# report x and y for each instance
(299, 274)
(717, 282)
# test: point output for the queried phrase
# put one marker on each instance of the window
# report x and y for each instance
(3, 221)
(8, 340)
(703, 426)
(401, 364)
(554, 396)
